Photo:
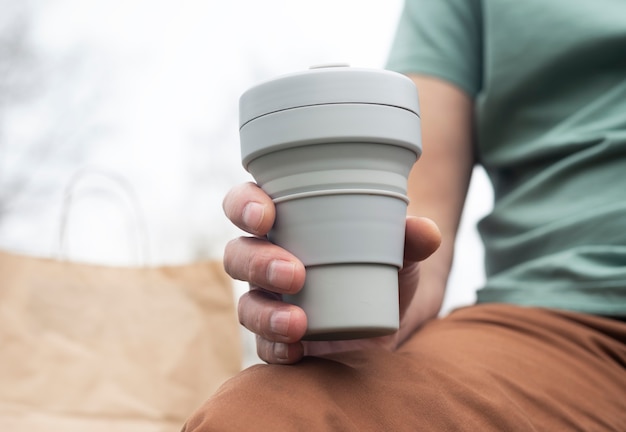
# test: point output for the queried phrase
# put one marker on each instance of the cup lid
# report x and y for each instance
(330, 84)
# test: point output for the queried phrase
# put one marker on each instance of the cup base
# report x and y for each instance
(348, 333)
(349, 301)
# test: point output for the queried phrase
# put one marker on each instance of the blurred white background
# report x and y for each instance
(118, 120)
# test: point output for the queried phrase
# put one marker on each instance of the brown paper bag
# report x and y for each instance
(93, 348)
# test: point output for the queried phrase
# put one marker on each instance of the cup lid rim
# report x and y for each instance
(332, 84)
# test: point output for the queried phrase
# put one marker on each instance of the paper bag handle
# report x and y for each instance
(125, 189)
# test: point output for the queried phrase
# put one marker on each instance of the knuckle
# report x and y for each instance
(229, 255)
(257, 268)
(244, 261)
(263, 349)
(241, 306)
(254, 314)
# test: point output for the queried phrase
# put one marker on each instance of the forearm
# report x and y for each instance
(438, 185)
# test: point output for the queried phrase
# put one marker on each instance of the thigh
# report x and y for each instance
(517, 368)
(487, 368)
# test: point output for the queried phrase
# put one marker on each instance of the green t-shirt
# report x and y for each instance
(549, 83)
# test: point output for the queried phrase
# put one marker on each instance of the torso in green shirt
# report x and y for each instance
(549, 81)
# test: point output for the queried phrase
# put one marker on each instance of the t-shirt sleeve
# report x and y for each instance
(441, 38)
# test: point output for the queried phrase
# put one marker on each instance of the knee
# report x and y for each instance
(270, 398)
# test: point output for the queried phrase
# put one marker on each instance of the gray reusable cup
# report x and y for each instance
(333, 147)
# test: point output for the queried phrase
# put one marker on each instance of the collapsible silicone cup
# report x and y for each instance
(333, 147)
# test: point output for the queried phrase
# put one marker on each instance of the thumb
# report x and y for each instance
(422, 238)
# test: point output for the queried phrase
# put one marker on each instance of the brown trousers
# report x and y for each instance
(483, 368)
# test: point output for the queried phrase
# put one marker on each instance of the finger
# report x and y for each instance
(423, 238)
(279, 326)
(279, 352)
(249, 208)
(263, 264)
(267, 316)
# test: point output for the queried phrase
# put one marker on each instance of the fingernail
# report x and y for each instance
(253, 215)
(279, 322)
(281, 351)
(280, 273)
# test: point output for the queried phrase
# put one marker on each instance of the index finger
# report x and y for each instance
(249, 208)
